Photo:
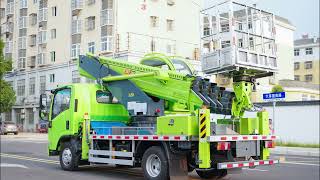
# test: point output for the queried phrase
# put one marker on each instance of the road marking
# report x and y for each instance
(57, 162)
(13, 165)
(262, 170)
(297, 163)
(29, 158)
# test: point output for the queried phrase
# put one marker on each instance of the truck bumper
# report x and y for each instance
(240, 164)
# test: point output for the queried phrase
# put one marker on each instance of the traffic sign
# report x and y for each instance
(274, 96)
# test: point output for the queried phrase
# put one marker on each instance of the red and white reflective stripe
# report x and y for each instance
(241, 164)
(240, 138)
(141, 137)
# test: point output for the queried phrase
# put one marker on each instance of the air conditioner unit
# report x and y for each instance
(170, 2)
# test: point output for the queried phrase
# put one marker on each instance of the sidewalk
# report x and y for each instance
(298, 151)
(24, 135)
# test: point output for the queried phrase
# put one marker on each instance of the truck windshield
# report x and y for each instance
(181, 66)
(61, 102)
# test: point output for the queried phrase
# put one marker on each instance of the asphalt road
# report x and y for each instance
(26, 158)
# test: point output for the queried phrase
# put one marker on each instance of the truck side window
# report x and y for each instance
(105, 97)
(61, 102)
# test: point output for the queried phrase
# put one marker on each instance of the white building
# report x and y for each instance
(44, 38)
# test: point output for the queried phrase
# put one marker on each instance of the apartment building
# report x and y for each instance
(44, 39)
(306, 59)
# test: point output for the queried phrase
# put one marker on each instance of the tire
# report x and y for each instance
(69, 157)
(212, 174)
(155, 164)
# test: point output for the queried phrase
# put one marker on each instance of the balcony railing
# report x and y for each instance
(10, 9)
(41, 58)
(7, 27)
(8, 47)
(23, 22)
(42, 37)
(43, 15)
(106, 17)
(76, 5)
(76, 27)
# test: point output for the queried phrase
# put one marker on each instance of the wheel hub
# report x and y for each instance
(153, 165)
(66, 156)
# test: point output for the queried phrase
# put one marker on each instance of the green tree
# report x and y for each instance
(7, 95)
(277, 88)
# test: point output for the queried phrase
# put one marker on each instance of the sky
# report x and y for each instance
(303, 14)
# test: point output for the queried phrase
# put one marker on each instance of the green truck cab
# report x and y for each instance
(69, 104)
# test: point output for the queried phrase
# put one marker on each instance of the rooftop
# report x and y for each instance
(298, 84)
(305, 40)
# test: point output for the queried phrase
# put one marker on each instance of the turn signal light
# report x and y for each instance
(270, 144)
(222, 146)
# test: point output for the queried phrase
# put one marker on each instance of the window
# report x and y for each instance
(51, 78)
(153, 45)
(90, 2)
(296, 52)
(296, 65)
(42, 84)
(224, 27)
(30, 116)
(251, 42)
(308, 77)
(296, 77)
(308, 65)
(90, 23)
(91, 47)
(33, 40)
(206, 31)
(23, 3)
(21, 87)
(170, 2)
(54, 11)
(225, 44)
(75, 51)
(75, 77)
(169, 49)
(35, 1)
(53, 33)
(22, 63)
(32, 86)
(105, 97)
(61, 102)
(240, 43)
(106, 43)
(309, 51)
(169, 25)
(53, 56)
(240, 26)
(304, 97)
(312, 97)
(2, 12)
(154, 20)
(249, 25)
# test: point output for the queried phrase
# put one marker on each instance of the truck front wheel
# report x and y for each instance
(155, 164)
(69, 157)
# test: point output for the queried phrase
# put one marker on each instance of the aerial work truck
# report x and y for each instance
(140, 115)
(161, 116)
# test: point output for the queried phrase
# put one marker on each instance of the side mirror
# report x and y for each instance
(43, 114)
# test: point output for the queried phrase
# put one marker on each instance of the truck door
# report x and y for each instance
(59, 118)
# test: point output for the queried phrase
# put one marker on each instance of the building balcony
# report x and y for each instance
(31, 62)
(76, 6)
(10, 9)
(43, 15)
(76, 27)
(7, 28)
(42, 37)
(106, 17)
(33, 40)
(8, 47)
(41, 59)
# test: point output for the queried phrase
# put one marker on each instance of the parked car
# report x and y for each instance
(8, 127)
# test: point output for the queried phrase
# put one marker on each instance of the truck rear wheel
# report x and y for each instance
(155, 164)
(212, 174)
(69, 157)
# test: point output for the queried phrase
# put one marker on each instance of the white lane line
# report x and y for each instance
(294, 157)
(262, 170)
(13, 165)
(297, 163)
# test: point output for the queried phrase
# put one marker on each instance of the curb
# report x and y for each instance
(314, 152)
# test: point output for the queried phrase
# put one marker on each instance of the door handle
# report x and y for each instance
(67, 125)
